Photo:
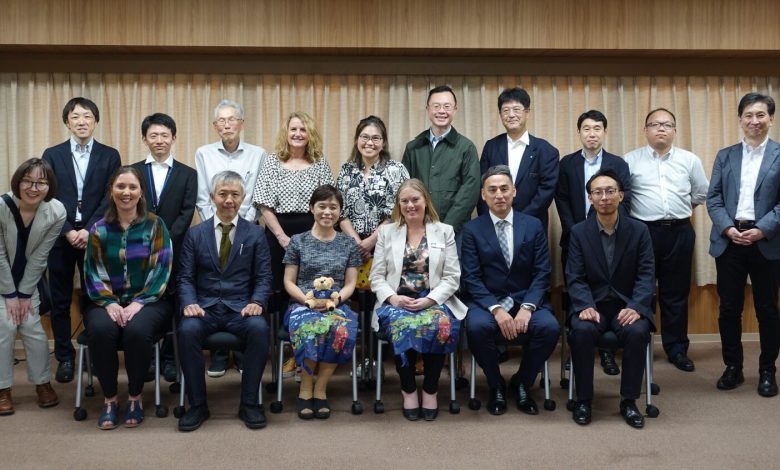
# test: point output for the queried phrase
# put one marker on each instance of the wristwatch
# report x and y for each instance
(530, 307)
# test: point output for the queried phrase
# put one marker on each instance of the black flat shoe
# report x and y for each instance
(581, 413)
(731, 378)
(608, 363)
(497, 403)
(631, 414)
(767, 384)
(682, 362)
(64, 371)
(305, 408)
(430, 414)
(525, 403)
(253, 416)
(193, 418)
(411, 414)
(321, 408)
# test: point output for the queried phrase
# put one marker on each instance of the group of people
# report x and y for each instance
(402, 229)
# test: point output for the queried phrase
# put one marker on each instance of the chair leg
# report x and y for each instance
(454, 405)
(357, 407)
(549, 403)
(474, 403)
(160, 410)
(277, 407)
(570, 400)
(79, 413)
(379, 407)
(652, 411)
(564, 358)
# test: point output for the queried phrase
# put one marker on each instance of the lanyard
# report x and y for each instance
(153, 190)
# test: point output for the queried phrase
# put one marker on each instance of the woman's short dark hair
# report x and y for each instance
(384, 154)
(28, 167)
(325, 192)
(112, 215)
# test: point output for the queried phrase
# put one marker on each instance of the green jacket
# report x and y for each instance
(450, 172)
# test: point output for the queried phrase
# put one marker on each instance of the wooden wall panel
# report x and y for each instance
(397, 24)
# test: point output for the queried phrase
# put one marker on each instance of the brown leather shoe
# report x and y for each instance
(6, 406)
(46, 395)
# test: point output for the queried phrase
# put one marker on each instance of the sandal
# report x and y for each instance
(305, 408)
(108, 419)
(321, 408)
(134, 414)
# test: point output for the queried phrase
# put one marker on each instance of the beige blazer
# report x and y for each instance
(45, 229)
(443, 265)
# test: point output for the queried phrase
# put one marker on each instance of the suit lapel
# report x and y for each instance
(211, 242)
(621, 238)
(579, 197)
(169, 181)
(67, 155)
(238, 242)
(735, 163)
(37, 229)
(398, 245)
(593, 235)
(770, 155)
(434, 238)
(518, 235)
(525, 161)
(94, 160)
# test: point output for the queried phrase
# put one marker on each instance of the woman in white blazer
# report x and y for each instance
(415, 274)
(23, 255)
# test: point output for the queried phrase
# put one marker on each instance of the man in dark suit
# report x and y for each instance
(532, 161)
(744, 204)
(505, 268)
(224, 285)
(170, 190)
(571, 199)
(83, 167)
(611, 279)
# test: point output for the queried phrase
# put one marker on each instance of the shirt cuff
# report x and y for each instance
(12, 295)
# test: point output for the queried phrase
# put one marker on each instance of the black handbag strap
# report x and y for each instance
(15, 211)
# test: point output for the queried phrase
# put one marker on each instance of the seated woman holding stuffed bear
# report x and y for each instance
(322, 327)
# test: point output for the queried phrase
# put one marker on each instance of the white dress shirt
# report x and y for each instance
(218, 230)
(665, 186)
(159, 172)
(590, 167)
(80, 156)
(515, 150)
(751, 164)
(510, 241)
(212, 158)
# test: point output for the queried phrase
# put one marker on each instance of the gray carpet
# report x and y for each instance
(699, 427)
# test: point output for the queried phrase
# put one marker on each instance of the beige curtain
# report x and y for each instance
(706, 110)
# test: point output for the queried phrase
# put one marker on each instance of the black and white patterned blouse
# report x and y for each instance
(369, 201)
(316, 258)
(286, 191)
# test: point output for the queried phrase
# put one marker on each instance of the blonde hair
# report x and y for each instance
(313, 148)
(430, 212)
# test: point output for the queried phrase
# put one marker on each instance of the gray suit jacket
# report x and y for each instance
(723, 195)
(45, 229)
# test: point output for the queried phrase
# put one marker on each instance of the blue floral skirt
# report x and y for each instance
(433, 330)
(321, 336)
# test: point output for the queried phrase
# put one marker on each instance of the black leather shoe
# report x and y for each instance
(169, 371)
(682, 362)
(731, 377)
(497, 403)
(631, 414)
(525, 403)
(64, 371)
(767, 384)
(193, 418)
(581, 413)
(430, 414)
(412, 414)
(608, 362)
(252, 416)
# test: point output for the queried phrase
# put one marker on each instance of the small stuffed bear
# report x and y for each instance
(322, 295)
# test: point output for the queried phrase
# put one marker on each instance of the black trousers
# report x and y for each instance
(136, 339)
(673, 248)
(584, 337)
(734, 266)
(193, 331)
(63, 260)
(432, 366)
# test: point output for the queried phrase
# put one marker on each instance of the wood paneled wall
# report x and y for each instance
(405, 25)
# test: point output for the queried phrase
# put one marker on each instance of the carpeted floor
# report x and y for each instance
(699, 427)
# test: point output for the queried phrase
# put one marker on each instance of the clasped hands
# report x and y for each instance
(510, 327)
(251, 309)
(122, 315)
(626, 316)
(77, 238)
(408, 303)
(18, 309)
(746, 238)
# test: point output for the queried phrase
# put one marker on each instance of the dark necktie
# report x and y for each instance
(224, 244)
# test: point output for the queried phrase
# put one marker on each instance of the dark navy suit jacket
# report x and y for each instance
(537, 175)
(103, 161)
(631, 277)
(247, 274)
(485, 277)
(570, 194)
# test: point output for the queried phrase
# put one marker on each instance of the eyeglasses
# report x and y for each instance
(439, 107)
(232, 120)
(376, 139)
(655, 125)
(516, 110)
(27, 184)
(609, 192)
